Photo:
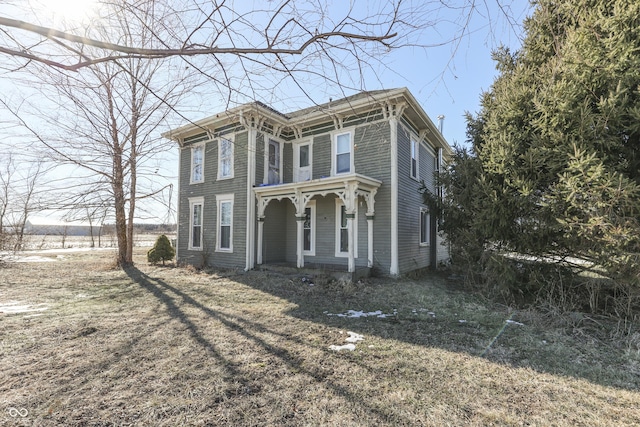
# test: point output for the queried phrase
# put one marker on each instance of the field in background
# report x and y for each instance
(40, 242)
(82, 344)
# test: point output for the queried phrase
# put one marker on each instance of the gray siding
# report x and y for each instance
(373, 159)
(287, 162)
(321, 156)
(260, 138)
(209, 189)
(411, 255)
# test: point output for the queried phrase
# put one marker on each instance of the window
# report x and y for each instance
(224, 240)
(302, 162)
(415, 146)
(273, 174)
(342, 232)
(309, 229)
(197, 164)
(195, 223)
(225, 159)
(342, 160)
(425, 227)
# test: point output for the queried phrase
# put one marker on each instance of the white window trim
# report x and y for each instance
(231, 140)
(339, 254)
(413, 141)
(428, 227)
(334, 148)
(312, 205)
(296, 159)
(221, 198)
(192, 202)
(193, 148)
(265, 179)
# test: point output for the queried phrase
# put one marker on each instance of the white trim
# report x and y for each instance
(427, 241)
(220, 199)
(394, 267)
(312, 206)
(296, 160)
(250, 243)
(231, 173)
(193, 201)
(334, 148)
(200, 146)
(338, 227)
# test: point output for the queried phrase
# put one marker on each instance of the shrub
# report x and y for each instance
(161, 251)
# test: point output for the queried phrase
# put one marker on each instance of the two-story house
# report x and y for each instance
(335, 185)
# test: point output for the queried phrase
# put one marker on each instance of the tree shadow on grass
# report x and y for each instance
(180, 305)
(432, 313)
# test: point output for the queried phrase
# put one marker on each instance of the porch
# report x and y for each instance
(300, 199)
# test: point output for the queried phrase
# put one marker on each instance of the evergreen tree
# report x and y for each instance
(161, 251)
(555, 159)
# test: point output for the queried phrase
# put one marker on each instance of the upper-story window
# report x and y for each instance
(415, 147)
(225, 158)
(302, 162)
(273, 174)
(197, 164)
(342, 161)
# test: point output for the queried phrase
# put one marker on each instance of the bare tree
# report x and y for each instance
(7, 172)
(103, 125)
(20, 196)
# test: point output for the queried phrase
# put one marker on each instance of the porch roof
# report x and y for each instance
(319, 185)
(347, 187)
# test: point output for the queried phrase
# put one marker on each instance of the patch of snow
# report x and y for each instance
(513, 322)
(30, 258)
(69, 250)
(34, 256)
(357, 314)
(15, 307)
(349, 347)
(354, 337)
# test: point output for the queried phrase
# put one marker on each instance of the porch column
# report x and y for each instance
(260, 234)
(300, 240)
(352, 258)
(370, 240)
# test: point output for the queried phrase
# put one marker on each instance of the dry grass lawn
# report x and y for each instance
(160, 346)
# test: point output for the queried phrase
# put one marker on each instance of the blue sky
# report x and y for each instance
(449, 80)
